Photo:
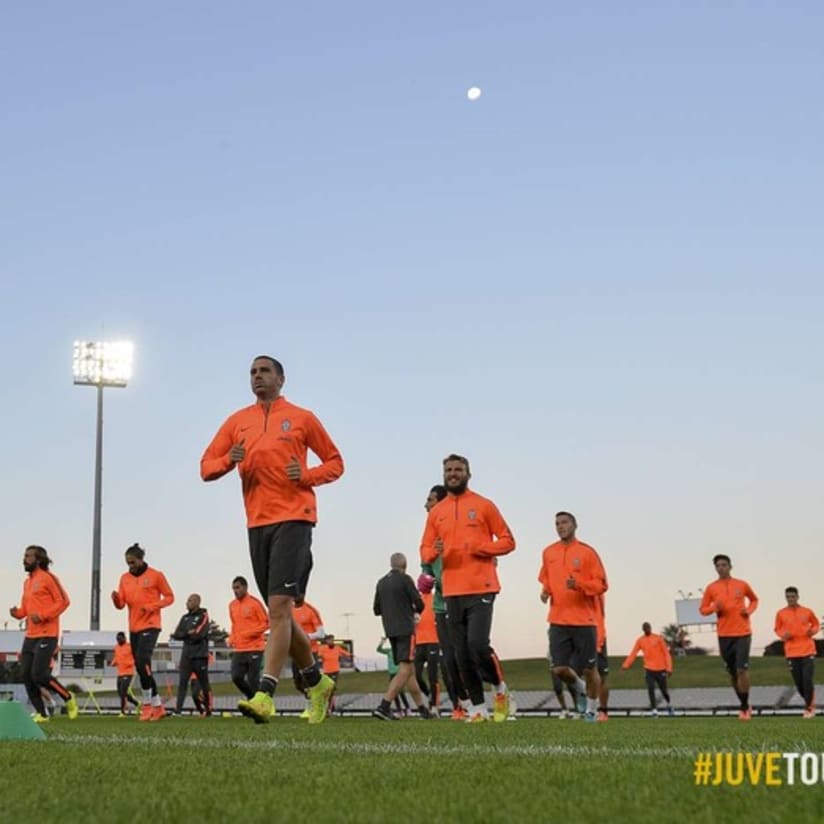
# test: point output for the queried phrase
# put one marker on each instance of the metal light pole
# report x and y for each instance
(100, 364)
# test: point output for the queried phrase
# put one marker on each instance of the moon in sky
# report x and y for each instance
(474, 93)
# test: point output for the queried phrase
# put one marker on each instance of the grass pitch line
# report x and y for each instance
(377, 748)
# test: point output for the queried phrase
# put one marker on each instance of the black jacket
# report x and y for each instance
(193, 630)
(396, 601)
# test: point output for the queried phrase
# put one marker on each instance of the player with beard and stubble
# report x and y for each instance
(44, 601)
(468, 533)
(269, 443)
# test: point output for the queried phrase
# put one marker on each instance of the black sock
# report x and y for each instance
(384, 706)
(745, 700)
(268, 684)
(311, 675)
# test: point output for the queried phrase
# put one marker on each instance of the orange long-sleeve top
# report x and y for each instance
(425, 630)
(309, 620)
(802, 625)
(559, 562)
(145, 595)
(656, 653)
(728, 598)
(44, 596)
(272, 439)
(330, 657)
(123, 659)
(474, 534)
(249, 621)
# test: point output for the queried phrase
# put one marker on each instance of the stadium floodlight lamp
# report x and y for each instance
(98, 363)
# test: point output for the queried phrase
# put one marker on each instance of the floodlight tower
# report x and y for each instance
(100, 364)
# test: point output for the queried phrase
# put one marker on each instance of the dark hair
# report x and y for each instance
(439, 491)
(718, 558)
(121, 635)
(568, 515)
(136, 551)
(793, 590)
(239, 579)
(276, 364)
(41, 557)
(459, 458)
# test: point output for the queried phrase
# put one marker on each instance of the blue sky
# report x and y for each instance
(602, 282)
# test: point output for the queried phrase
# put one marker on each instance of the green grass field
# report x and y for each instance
(99, 769)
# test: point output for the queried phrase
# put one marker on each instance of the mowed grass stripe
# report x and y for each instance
(384, 748)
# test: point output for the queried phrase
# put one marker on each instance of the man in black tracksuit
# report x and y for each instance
(399, 604)
(193, 630)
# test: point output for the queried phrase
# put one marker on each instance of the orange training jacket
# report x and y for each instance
(802, 624)
(730, 594)
(309, 620)
(123, 659)
(44, 596)
(330, 657)
(656, 653)
(249, 622)
(425, 630)
(145, 595)
(474, 534)
(572, 607)
(272, 439)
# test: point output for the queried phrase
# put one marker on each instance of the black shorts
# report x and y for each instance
(568, 644)
(281, 557)
(403, 648)
(736, 652)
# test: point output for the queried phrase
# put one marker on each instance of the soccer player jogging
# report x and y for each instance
(796, 626)
(427, 651)
(602, 660)
(330, 654)
(248, 621)
(44, 601)
(572, 578)
(397, 602)
(193, 630)
(310, 621)
(454, 686)
(145, 591)
(733, 602)
(657, 665)
(469, 534)
(123, 660)
(269, 442)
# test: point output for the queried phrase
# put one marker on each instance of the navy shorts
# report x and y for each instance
(569, 646)
(281, 557)
(403, 648)
(736, 652)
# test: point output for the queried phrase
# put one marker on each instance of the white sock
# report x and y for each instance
(581, 686)
(466, 704)
(147, 696)
(592, 704)
(479, 708)
(502, 687)
(155, 700)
